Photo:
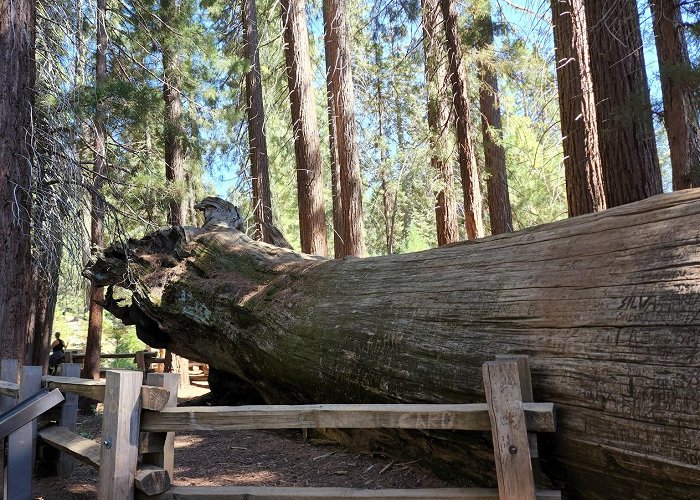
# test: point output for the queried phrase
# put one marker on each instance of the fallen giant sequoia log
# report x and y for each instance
(606, 305)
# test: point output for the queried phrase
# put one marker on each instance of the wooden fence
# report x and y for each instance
(141, 420)
(144, 360)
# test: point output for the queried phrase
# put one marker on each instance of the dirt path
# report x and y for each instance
(255, 458)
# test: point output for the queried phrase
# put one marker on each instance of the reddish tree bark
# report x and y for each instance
(438, 118)
(91, 363)
(343, 96)
(307, 148)
(17, 76)
(473, 218)
(500, 212)
(262, 198)
(174, 131)
(680, 112)
(338, 227)
(625, 129)
(579, 127)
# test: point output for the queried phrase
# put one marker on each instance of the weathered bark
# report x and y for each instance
(438, 124)
(579, 126)
(680, 112)
(17, 76)
(262, 198)
(473, 218)
(338, 229)
(91, 362)
(605, 305)
(343, 96)
(307, 147)
(500, 213)
(174, 131)
(625, 129)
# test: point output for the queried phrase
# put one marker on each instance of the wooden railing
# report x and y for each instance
(150, 412)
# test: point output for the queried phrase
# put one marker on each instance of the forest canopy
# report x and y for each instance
(350, 128)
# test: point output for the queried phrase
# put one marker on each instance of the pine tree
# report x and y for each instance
(343, 95)
(91, 363)
(338, 226)
(262, 198)
(473, 217)
(438, 123)
(174, 133)
(307, 148)
(579, 126)
(17, 78)
(680, 112)
(627, 142)
(498, 198)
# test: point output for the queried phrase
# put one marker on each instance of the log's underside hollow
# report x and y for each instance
(606, 305)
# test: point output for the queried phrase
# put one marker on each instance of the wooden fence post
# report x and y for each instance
(120, 434)
(510, 443)
(523, 361)
(9, 370)
(21, 444)
(161, 445)
(68, 417)
(141, 363)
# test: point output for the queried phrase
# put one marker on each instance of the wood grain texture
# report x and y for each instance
(606, 306)
(151, 480)
(68, 418)
(9, 389)
(85, 450)
(120, 435)
(163, 453)
(475, 417)
(153, 398)
(510, 443)
(269, 493)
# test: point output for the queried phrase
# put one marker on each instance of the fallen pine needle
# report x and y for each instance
(387, 467)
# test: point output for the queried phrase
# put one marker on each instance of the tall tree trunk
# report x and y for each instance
(625, 128)
(17, 76)
(262, 198)
(91, 363)
(473, 218)
(438, 118)
(307, 148)
(173, 129)
(579, 125)
(48, 266)
(680, 112)
(343, 96)
(500, 212)
(338, 229)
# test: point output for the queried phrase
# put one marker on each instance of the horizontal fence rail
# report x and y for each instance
(152, 398)
(539, 417)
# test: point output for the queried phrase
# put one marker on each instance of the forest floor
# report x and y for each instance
(252, 458)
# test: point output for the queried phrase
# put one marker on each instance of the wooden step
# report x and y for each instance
(76, 446)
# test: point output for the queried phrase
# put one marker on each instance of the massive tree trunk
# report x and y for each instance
(500, 213)
(680, 113)
(343, 96)
(473, 218)
(307, 147)
(438, 123)
(626, 132)
(91, 362)
(338, 226)
(605, 305)
(17, 75)
(262, 198)
(174, 131)
(579, 126)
